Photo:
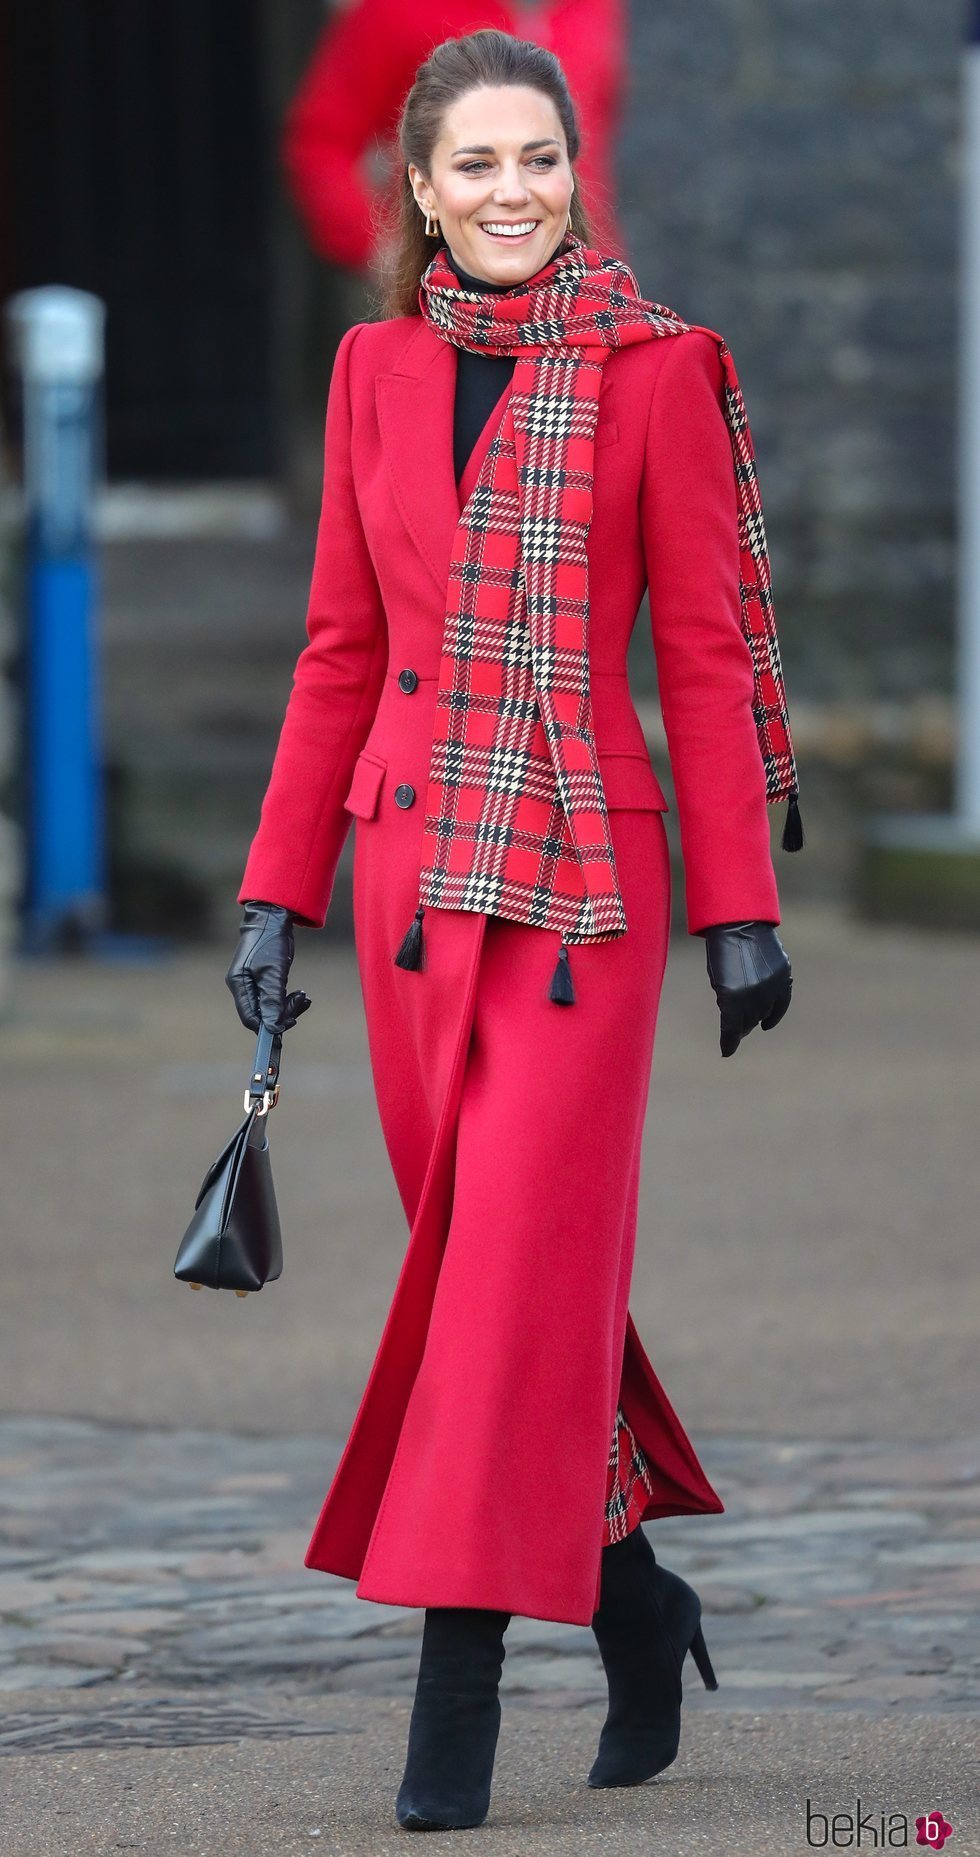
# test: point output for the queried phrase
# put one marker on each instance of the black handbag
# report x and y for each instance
(234, 1240)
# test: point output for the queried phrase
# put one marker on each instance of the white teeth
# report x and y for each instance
(528, 225)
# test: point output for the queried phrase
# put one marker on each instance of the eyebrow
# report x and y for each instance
(550, 141)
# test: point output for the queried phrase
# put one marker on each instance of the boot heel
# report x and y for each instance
(699, 1652)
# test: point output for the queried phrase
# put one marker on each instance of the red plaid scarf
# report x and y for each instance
(515, 816)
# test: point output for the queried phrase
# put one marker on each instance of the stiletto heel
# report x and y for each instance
(648, 1620)
(699, 1652)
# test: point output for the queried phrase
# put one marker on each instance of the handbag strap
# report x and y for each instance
(262, 1093)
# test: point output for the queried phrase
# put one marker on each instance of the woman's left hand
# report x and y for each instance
(752, 979)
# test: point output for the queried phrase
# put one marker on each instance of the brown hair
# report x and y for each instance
(451, 69)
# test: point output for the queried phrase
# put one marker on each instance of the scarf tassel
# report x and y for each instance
(412, 951)
(561, 989)
(793, 839)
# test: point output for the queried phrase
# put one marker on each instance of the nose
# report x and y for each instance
(510, 189)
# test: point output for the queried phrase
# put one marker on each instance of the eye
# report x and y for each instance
(537, 161)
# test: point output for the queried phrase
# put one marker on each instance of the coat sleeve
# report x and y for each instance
(689, 516)
(337, 683)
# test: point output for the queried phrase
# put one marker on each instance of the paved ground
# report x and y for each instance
(173, 1680)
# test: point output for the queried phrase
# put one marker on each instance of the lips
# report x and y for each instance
(529, 227)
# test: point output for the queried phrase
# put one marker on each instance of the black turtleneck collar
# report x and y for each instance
(480, 283)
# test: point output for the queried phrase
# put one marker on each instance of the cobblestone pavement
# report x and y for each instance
(155, 1578)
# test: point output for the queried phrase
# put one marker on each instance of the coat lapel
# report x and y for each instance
(415, 418)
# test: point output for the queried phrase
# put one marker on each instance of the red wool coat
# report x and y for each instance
(475, 1471)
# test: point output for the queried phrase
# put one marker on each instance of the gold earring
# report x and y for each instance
(569, 225)
(431, 224)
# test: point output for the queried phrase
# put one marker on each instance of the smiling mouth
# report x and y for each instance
(504, 229)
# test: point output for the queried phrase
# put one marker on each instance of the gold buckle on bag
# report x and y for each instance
(263, 1090)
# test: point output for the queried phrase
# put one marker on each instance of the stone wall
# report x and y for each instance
(788, 176)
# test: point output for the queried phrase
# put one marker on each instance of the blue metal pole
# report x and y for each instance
(66, 841)
(58, 340)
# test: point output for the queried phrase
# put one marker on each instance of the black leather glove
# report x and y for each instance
(260, 967)
(752, 978)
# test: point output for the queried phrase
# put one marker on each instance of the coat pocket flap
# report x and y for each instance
(365, 787)
(629, 780)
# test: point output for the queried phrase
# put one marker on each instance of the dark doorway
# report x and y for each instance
(142, 168)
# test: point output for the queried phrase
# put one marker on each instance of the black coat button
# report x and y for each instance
(404, 794)
(407, 681)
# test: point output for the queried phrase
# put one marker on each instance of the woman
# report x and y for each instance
(483, 550)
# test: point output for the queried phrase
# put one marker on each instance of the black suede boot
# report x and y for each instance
(648, 1619)
(452, 1738)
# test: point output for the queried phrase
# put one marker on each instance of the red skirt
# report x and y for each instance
(629, 1484)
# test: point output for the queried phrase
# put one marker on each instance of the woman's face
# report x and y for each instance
(500, 163)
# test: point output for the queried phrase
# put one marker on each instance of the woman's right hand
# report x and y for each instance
(259, 969)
